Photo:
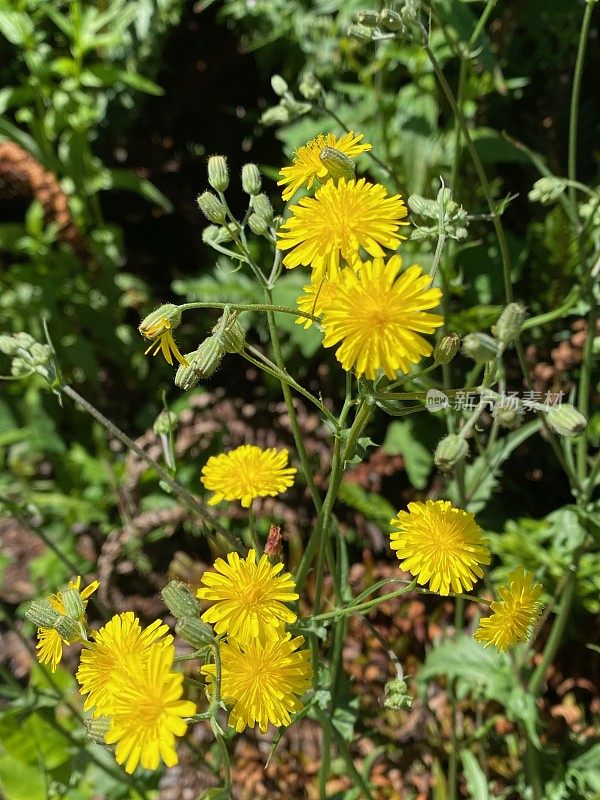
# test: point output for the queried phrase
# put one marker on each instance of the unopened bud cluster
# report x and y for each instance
(227, 336)
(289, 108)
(386, 24)
(547, 190)
(28, 356)
(396, 695)
(451, 220)
(181, 602)
(70, 625)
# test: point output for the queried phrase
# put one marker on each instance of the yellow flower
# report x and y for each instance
(147, 710)
(163, 341)
(262, 682)
(248, 598)
(378, 315)
(318, 296)
(337, 221)
(103, 659)
(50, 643)
(514, 615)
(247, 472)
(308, 166)
(441, 545)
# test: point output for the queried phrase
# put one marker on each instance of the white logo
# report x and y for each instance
(435, 400)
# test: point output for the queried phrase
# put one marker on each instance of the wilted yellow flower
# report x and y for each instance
(513, 616)
(378, 315)
(318, 296)
(147, 710)
(262, 682)
(50, 643)
(440, 545)
(163, 342)
(339, 220)
(248, 598)
(308, 167)
(121, 639)
(247, 472)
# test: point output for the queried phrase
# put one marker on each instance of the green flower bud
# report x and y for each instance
(566, 420)
(218, 174)
(423, 206)
(96, 729)
(258, 225)
(202, 363)
(24, 340)
(509, 416)
(193, 631)
(180, 599)
(451, 450)
(212, 208)
(368, 18)
(20, 368)
(41, 613)
(338, 165)
(164, 423)
(509, 323)
(261, 205)
(359, 32)
(8, 345)
(215, 234)
(40, 353)
(547, 190)
(72, 603)
(309, 86)
(397, 696)
(480, 347)
(278, 115)
(251, 180)
(447, 347)
(233, 336)
(166, 317)
(279, 85)
(70, 629)
(390, 20)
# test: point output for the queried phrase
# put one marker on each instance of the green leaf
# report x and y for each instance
(16, 27)
(418, 460)
(372, 506)
(107, 75)
(121, 179)
(476, 781)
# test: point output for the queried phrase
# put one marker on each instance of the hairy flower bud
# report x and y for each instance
(509, 323)
(258, 225)
(180, 599)
(218, 174)
(309, 87)
(202, 363)
(8, 345)
(193, 631)
(480, 347)
(423, 206)
(233, 336)
(391, 20)
(338, 164)
(279, 85)
(360, 32)
(164, 318)
(369, 18)
(447, 347)
(40, 353)
(69, 629)
(261, 205)
(251, 180)
(164, 423)
(212, 208)
(96, 728)
(566, 420)
(451, 450)
(396, 695)
(278, 115)
(24, 340)
(215, 234)
(41, 613)
(509, 416)
(73, 604)
(547, 190)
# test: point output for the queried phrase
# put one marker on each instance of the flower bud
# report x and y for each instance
(359, 32)
(279, 85)
(258, 225)
(73, 604)
(278, 115)
(180, 599)
(396, 695)
(390, 20)
(70, 629)
(509, 416)
(447, 347)
(193, 631)
(251, 180)
(368, 18)
(218, 174)
(509, 323)
(24, 340)
(309, 87)
(451, 450)
(233, 336)
(19, 367)
(423, 206)
(8, 345)
(166, 317)
(212, 208)
(41, 613)
(96, 729)
(261, 205)
(566, 420)
(215, 234)
(40, 353)
(480, 347)
(202, 363)
(164, 423)
(338, 164)
(547, 190)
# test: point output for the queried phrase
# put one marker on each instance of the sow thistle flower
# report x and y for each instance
(378, 315)
(247, 472)
(307, 165)
(440, 545)
(248, 598)
(147, 710)
(115, 646)
(513, 616)
(262, 683)
(50, 643)
(339, 220)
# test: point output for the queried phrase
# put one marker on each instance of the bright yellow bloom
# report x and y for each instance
(318, 296)
(514, 615)
(337, 221)
(121, 639)
(147, 710)
(50, 642)
(163, 341)
(441, 545)
(247, 472)
(262, 682)
(308, 167)
(378, 315)
(248, 598)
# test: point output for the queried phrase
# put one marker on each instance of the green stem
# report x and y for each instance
(268, 307)
(253, 532)
(345, 753)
